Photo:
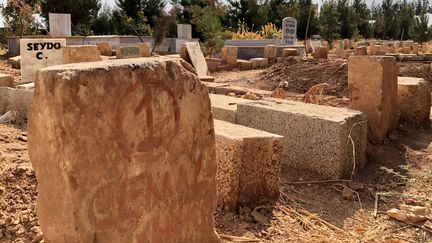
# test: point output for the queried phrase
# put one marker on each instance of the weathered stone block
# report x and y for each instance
(128, 52)
(225, 107)
(27, 86)
(15, 99)
(6, 80)
(415, 48)
(105, 48)
(425, 47)
(360, 51)
(372, 84)
(84, 53)
(15, 62)
(270, 51)
(249, 164)
(289, 52)
(414, 101)
(145, 49)
(244, 65)
(316, 137)
(229, 55)
(406, 50)
(321, 52)
(141, 168)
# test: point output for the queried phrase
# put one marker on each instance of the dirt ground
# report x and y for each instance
(301, 74)
(400, 171)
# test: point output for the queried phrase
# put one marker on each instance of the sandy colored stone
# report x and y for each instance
(415, 48)
(225, 107)
(392, 49)
(414, 101)
(259, 62)
(6, 80)
(406, 50)
(321, 52)
(290, 52)
(244, 65)
(145, 49)
(270, 51)
(27, 86)
(249, 164)
(372, 84)
(128, 52)
(83, 53)
(425, 47)
(316, 136)
(123, 151)
(105, 48)
(229, 55)
(360, 51)
(15, 62)
(15, 99)
(213, 65)
(184, 54)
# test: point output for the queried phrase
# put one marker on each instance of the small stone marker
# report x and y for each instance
(81, 53)
(229, 55)
(27, 86)
(244, 65)
(415, 48)
(289, 31)
(425, 47)
(141, 168)
(249, 165)
(321, 52)
(145, 49)
(259, 62)
(39, 53)
(270, 51)
(406, 50)
(289, 52)
(15, 62)
(184, 31)
(105, 48)
(360, 51)
(128, 52)
(6, 80)
(197, 58)
(414, 101)
(372, 84)
(60, 24)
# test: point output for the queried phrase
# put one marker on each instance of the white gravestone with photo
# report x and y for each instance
(60, 25)
(289, 31)
(39, 53)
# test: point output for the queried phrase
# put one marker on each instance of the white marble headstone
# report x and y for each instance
(60, 25)
(289, 31)
(39, 53)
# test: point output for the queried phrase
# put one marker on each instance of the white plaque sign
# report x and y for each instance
(289, 31)
(39, 53)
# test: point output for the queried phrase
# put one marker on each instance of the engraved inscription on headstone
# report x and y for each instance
(39, 53)
(289, 31)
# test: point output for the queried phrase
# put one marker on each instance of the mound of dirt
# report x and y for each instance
(301, 74)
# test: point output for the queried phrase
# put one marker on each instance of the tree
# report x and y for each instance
(18, 15)
(208, 21)
(421, 30)
(103, 23)
(161, 27)
(250, 12)
(361, 15)
(302, 19)
(329, 19)
(406, 20)
(83, 12)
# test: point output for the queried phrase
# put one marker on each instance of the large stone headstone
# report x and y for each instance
(39, 53)
(289, 31)
(124, 151)
(60, 24)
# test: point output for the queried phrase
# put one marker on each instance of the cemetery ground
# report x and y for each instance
(399, 171)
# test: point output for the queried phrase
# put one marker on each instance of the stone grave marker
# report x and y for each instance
(39, 53)
(289, 31)
(60, 24)
(197, 58)
(184, 31)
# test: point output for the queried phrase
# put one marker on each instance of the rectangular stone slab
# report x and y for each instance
(249, 164)
(81, 53)
(316, 137)
(414, 100)
(372, 84)
(225, 107)
(39, 53)
(197, 58)
(124, 151)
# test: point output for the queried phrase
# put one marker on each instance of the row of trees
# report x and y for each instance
(392, 19)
